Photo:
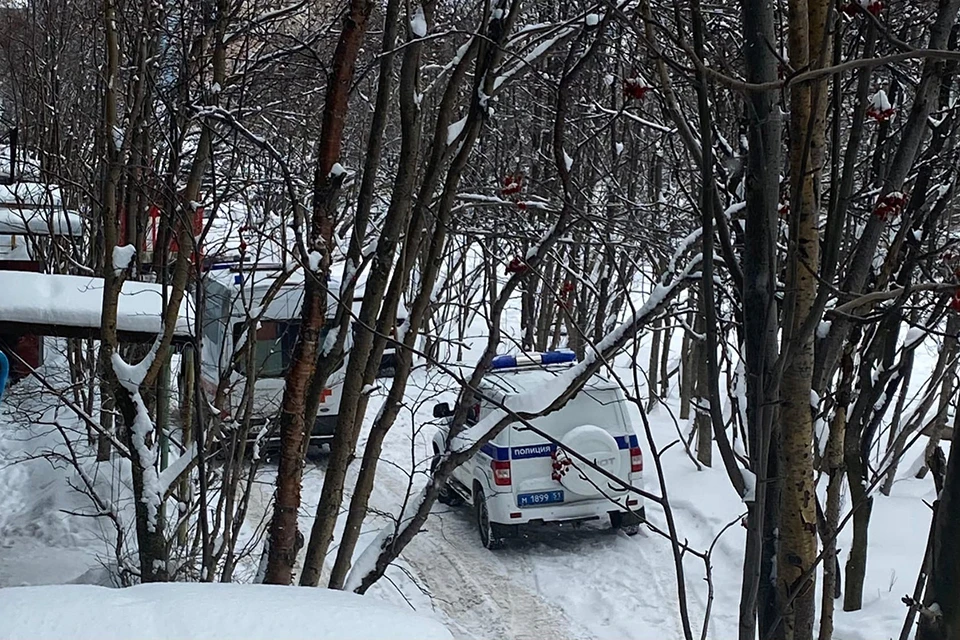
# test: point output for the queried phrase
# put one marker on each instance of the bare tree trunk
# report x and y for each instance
(367, 351)
(834, 464)
(895, 443)
(946, 392)
(758, 594)
(940, 617)
(150, 538)
(653, 368)
(186, 425)
(701, 395)
(689, 350)
(665, 362)
(106, 421)
(284, 535)
(855, 568)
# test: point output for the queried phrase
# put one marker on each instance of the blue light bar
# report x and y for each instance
(503, 362)
(557, 357)
(550, 357)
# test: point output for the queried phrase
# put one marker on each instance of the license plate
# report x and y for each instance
(537, 499)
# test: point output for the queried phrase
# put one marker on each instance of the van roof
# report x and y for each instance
(288, 299)
(515, 381)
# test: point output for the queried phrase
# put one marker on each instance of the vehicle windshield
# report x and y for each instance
(273, 346)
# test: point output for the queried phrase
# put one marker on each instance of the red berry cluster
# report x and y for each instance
(872, 6)
(564, 294)
(561, 464)
(516, 266)
(512, 184)
(890, 205)
(634, 88)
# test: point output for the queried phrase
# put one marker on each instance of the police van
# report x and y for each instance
(521, 479)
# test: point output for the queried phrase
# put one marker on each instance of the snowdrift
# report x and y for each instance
(205, 611)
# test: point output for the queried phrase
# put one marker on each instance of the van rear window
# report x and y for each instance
(274, 344)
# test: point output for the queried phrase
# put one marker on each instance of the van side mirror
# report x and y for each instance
(441, 410)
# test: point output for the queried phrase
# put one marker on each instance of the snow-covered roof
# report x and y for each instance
(191, 611)
(287, 302)
(39, 222)
(522, 380)
(30, 194)
(54, 300)
(37, 208)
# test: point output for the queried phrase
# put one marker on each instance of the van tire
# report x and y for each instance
(629, 523)
(488, 533)
(447, 495)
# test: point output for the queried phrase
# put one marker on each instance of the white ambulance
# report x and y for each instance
(521, 478)
(233, 294)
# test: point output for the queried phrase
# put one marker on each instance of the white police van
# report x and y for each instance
(521, 478)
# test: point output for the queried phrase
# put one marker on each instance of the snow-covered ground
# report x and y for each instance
(200, 611)
(579, 583)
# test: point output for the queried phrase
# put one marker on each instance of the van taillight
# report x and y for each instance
(501, 472)
(636, 460)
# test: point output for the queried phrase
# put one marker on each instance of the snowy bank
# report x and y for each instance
(192, 611)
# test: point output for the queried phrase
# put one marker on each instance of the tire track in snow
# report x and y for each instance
(476, 587)
(617, 587)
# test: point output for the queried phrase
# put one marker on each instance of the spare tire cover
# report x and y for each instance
(596, 445)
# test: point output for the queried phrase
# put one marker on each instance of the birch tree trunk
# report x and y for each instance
(808, 47)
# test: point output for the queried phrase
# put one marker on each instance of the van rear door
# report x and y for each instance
(594, 425)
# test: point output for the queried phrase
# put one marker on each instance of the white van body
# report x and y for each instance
(231, 296)
(522, 478)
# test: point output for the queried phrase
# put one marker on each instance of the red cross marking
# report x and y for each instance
(326, 393)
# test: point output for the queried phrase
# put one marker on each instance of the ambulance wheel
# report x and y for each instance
(447, 495)
(488, 537)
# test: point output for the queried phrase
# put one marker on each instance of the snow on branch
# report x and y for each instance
(123, 256)
(169, 476)
(532, 57)
(130, 378)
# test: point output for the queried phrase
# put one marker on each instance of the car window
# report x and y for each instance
(274, 344)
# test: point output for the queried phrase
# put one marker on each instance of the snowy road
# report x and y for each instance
(589, 582)
(581, 583)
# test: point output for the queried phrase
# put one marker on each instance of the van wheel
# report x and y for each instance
(447, 495)
(487, 537)
(617, 521)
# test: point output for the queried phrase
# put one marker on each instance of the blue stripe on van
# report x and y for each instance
(544, 450)
(495, 452)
